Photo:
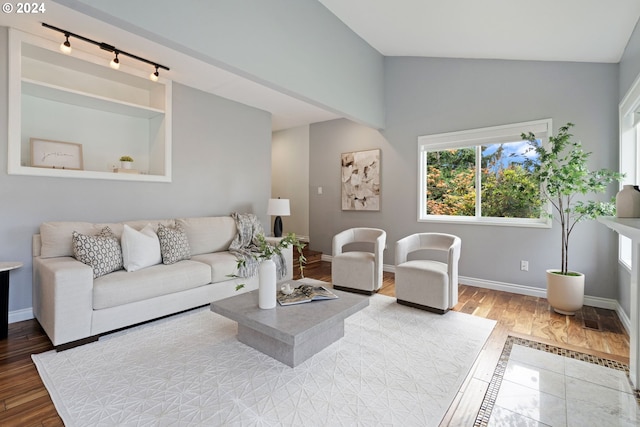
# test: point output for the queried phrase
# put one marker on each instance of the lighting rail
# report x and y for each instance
(115, 63)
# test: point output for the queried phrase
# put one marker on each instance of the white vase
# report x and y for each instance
(267, 284)
(565, 293)
(628, 202)
(126, 165)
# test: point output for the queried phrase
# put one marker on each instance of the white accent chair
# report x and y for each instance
(358, 270)
(425, 283)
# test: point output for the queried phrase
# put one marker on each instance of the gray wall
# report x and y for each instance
(212, 175)
(290, 176)
(426, 96)
(296, 46)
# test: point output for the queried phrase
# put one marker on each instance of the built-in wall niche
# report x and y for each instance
(79, 99)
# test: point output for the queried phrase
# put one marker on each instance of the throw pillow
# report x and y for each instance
(140, 249)
(174, 245)
(102, 252)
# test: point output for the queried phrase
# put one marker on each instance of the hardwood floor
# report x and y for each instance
(25, 402)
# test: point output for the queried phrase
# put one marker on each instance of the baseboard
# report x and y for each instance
(607, 303)
(624, 319)
(20, 315)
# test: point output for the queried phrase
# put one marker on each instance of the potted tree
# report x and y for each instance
(561, 169)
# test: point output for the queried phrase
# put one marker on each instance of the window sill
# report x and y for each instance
(501, 222)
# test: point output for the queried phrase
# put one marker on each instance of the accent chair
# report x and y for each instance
(357, 260)
(423, 282)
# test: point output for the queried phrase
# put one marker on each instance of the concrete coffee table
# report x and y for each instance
(292, 333)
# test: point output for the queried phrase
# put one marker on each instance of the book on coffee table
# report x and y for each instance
(305, 293)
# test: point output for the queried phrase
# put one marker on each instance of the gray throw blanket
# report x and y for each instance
(245, 246)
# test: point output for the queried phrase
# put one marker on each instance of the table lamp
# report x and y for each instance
(278, 207)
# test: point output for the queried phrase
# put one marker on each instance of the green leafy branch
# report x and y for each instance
(266, 251)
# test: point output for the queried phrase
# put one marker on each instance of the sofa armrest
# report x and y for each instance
(63, 298)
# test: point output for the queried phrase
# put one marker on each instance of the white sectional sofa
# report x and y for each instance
(73, 307)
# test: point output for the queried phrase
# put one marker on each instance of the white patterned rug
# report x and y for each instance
(396, 365)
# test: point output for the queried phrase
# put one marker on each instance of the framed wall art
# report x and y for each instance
(361, 180)
(56, 154)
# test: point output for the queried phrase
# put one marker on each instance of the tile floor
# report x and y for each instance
(545, 389)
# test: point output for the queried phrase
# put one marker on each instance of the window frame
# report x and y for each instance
(475, 138)
(629, 156)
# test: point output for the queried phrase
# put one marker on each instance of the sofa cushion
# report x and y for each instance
(174, 245)
(102, 252)
(56, 237)
(140, 249)
(208, 234)
(120, 287)
(222, 264)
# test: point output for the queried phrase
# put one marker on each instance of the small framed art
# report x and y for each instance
(56, 154)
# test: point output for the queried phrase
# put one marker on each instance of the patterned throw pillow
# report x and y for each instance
(102, 252)
(174, 245)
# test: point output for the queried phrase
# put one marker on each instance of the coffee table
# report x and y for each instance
(293, 333)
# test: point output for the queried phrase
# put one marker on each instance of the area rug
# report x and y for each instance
(396, 365)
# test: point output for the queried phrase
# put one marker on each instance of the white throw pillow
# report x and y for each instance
(140, 249)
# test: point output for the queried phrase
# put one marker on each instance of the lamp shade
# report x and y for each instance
(278, 207)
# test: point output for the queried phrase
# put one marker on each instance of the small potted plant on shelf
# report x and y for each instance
(561, 169)
(126, 162)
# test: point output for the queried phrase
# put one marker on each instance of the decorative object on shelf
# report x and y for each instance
(278, 207)
(561, 168)
(65, 47)
(126, 162)
(628, 202)
(56, 154)
(267, 288)
(361, 181)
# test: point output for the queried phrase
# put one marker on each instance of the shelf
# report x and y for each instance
(78, 98)
(66, 173)
(86, 100)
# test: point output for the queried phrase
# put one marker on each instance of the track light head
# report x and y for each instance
(154, 76)
(115, 62)
(65, 47)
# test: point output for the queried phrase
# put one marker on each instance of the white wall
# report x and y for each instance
(290, 176)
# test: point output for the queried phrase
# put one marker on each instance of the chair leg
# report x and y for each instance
(421, 307)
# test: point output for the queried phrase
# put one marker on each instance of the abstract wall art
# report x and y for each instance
(361, 180)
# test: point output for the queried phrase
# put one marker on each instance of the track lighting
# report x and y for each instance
(115, 63)
(65, 47)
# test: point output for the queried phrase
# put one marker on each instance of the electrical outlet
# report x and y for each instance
(524, 265)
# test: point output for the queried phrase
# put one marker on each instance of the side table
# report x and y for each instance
(5, 268)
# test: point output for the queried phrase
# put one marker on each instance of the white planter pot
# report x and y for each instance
(267, 287)
(565, 293)
(126, 165)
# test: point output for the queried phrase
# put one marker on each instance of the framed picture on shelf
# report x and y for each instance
(56, 154)
(361, 180)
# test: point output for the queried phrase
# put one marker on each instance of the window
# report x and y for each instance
(629, 113)
(482, 176)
